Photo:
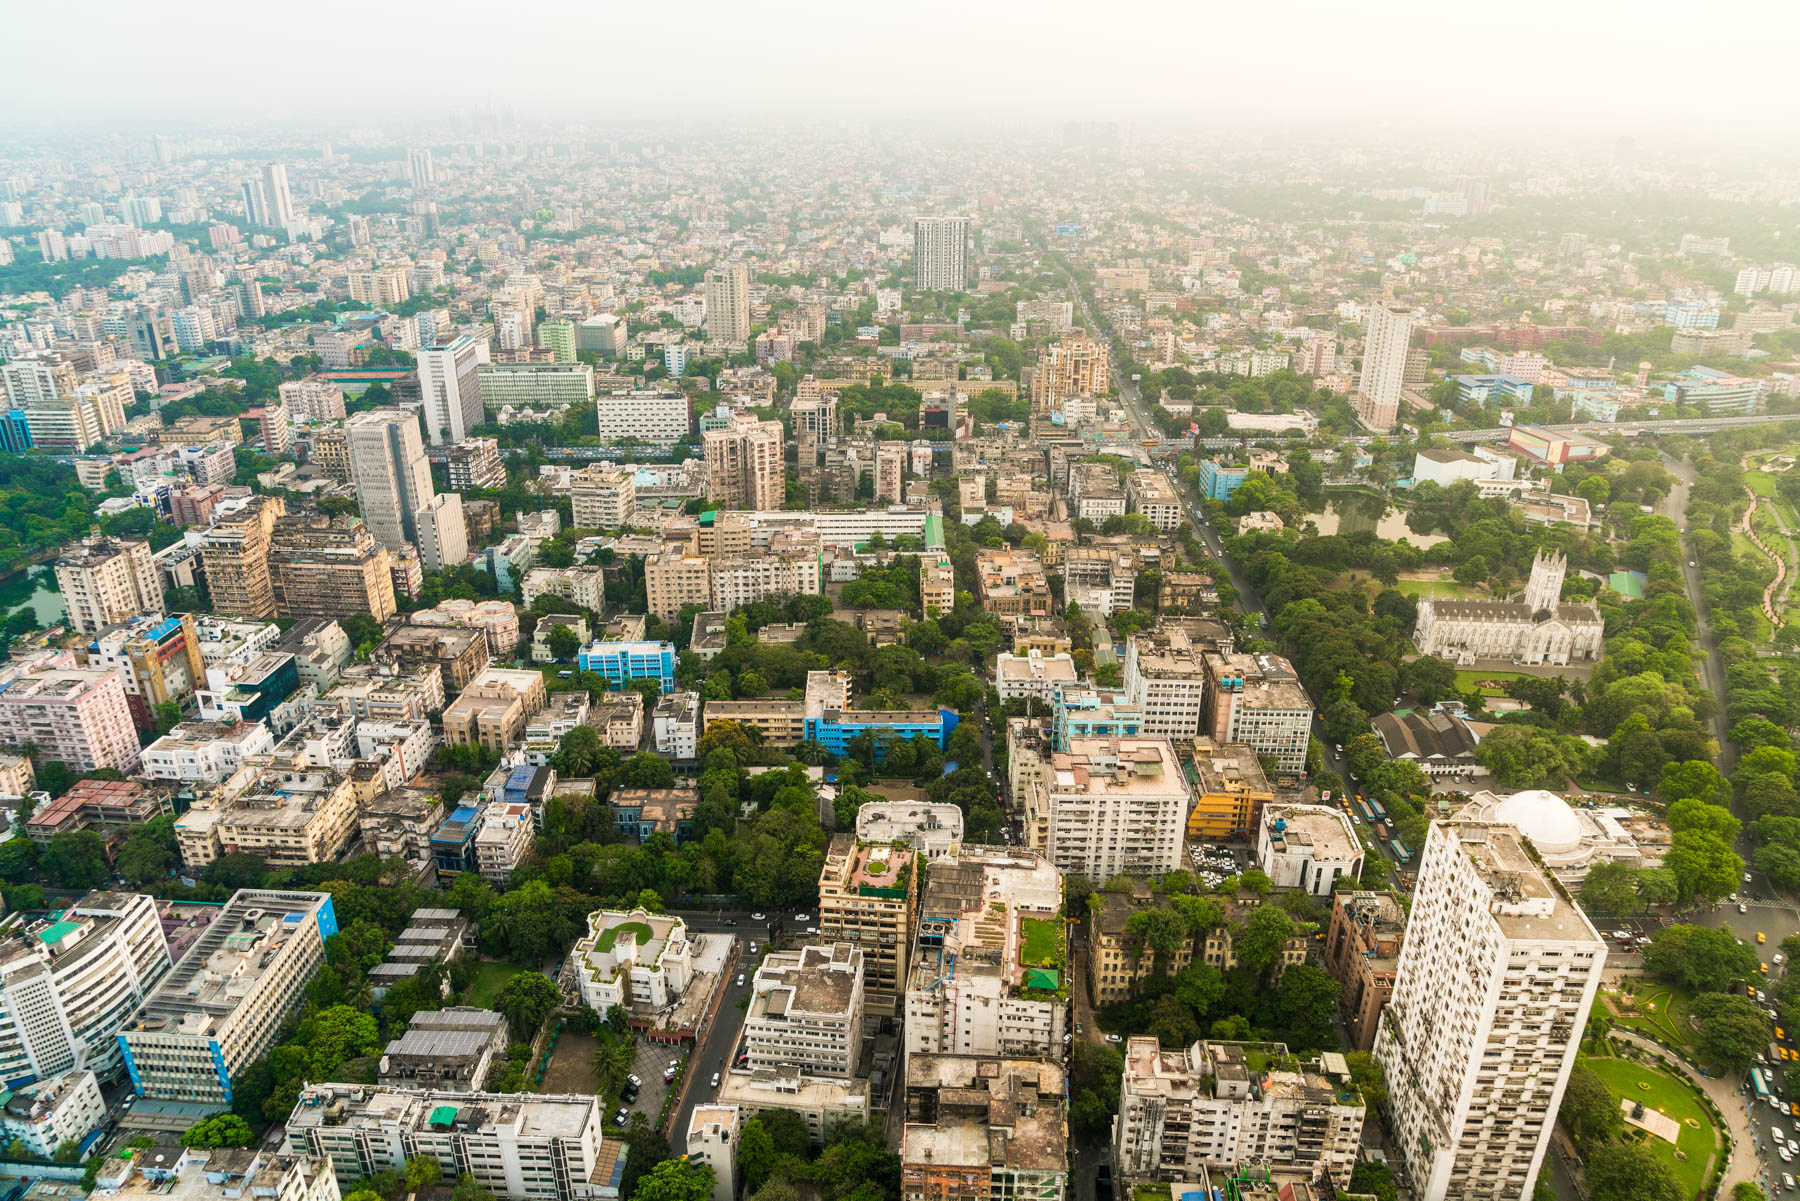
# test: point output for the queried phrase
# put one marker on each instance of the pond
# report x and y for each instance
(1365, 514)
(35, 589)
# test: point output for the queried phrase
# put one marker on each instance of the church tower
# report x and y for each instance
(1544, 591)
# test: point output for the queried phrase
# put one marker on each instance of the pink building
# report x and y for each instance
(75, 715)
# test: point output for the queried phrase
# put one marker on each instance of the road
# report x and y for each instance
(715, 1053)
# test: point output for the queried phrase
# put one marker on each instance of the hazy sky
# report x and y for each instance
(1599, 66)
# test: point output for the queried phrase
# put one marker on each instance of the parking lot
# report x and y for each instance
(652, 1060)
(1212, 863)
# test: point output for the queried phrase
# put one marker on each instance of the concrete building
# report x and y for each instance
(205, 751)
(448, 1050)
(221, 1008)
(639, 960)
(216, 1174)
(1220, 1105)
(865, 898)
(518, 1146)
(604, 498)
(744, 464)
(660, 416)
(1377, 400)
(1120, 961)
(981, 1126)
(234, 557)
(675, 725)
(1441, 742)
(806, 1011)
(1490, 997)
(1230, 791)
(1307, 847)
(1362, 951)
(68, 986)
(941, 253)
(45, 1114)
(1011, 583)
(1116, 807)
(1257, 700)
(78, 716)
(712, 1140)
(289, 815)
(728, 303)
(392, 475)
(1569, 841)
(1152, 495)
(1033, 676)
(476, 463)
(781, 721)
(619, 663)
(329, 567)
(313, 400)
(494, 708)
(450, 385)
(818, 1102)
(1165, 676)
(104, 581)
(504, 840)
(457, 653)
(933, 831)
(1076, 367)
(158, 657)
(989, 971)
(937, 583)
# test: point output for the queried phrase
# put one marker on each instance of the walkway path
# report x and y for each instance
(1785, 565)
(1745, 1163)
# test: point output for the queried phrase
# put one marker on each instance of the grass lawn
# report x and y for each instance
(1661, 1012)
(1659, 1090)
(1043, 941)
(1467, 681)
(1438, 588)
(490, 978)
(638, 930)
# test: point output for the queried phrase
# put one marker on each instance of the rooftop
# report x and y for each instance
(817, 980)
(212, 980)
(1110, 766)
(1524, 902)
(1315, 831)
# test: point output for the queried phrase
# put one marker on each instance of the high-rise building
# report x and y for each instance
(603, 498)
(329, 567)
(941, 253)
(728, 303)
(890, 472)
(712, 1139)
(32, 381)
(383, 287)
(419, 169)
(806, 1010)
(256, 202)
(1165, 676)
(66, 987)
(558, 337)
(158, 657)
(865, 899)
(313, 400)
(1075, 366)
(443, 532)
(234, 557)
(77, 716)
(1383, 367)
(1258, 700)
(392, 474)
(450, 385)
(217, 1012)
(1116, 806)
(281, 201)
(1493, 989)
(476, 463)
(744, 464)
(104, 581)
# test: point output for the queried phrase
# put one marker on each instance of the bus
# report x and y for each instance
(1379, 811)
(1381, 833)
(1762, 1085)
(1400, 851)
(1368, 815)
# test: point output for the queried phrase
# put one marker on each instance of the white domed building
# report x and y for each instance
(1568, 839)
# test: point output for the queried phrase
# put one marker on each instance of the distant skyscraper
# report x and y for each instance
(451, 389)
(941, 253)
(419, 169)
(391, 473)
(1490, 998)
(256, 202)
(164, 148)
(280, 200)
(1383, 367)
(744, 467)
(728, 303)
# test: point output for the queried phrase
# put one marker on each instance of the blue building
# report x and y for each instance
(261, 685)
(1716, 391)
(15, 435)
(1484, 389)
(1084, 712)
(622, 662)
(835, 728)
(1218, 481)
(453, 846)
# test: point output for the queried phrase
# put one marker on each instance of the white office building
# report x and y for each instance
(1307, 847)
(1384, 367)
(649, 415)
(450, 385)
(806, 1010)
(1116, 806)
(1490, 997)
(941, 253)
(1165, 676)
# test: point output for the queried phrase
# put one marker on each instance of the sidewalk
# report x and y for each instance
(1745, 1163)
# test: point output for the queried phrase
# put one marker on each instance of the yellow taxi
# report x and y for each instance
(1760, 938)
(1780, 1035)
(1764, 968)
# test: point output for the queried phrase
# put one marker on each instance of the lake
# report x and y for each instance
(34, 588)
(1364, 514)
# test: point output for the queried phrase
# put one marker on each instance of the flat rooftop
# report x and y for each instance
(375, 1107)
(1109, 766)
(1525, 904)
(1316, 831)
(242, 942)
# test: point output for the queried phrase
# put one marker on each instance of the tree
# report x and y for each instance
(1589, 1110)
(1373, 1179)
(219, 1130)
(681, 1179)
(1369, 1077)
(68, 1151)
(1692, 813)
(148, 852)
(1611, 887)
(1529, 756)
(167, 715)
(1732, 1030)
(578, 754)
(1304, 1004)
(75, 859)
(55, 777)
(1622, 1171)
(18, 859)
(563, 642)
(755, 1154)
(1265, 936)
(527, 1000)
(422, 1172)
(1699, 958)
(1705, 867)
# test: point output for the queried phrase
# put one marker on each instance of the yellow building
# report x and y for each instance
(494, 708)
(1120, 959)
(1230, 790)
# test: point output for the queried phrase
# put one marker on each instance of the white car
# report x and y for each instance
(1787, 1156)
(800, 919)
(715, 1080)
(1743, 908)
(759, 917)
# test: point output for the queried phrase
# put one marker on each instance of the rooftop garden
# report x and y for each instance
(607, 937)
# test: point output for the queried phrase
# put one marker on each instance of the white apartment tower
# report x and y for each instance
(1383, 367)
(451, 388)
(728, 303)
(941, 253)
(392, 475)
(103, 581)
(1490, 997)
(1116, 806)
(806, 1010)
(419, 169)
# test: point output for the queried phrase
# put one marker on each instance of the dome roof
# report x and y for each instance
(1543, 817)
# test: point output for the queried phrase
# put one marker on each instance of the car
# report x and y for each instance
(1787, 1156)
(1338, 747)
(633, 1081)
(740, 982)
(1690, 562)
(1743, 908)
(759, 917)
(753, 948)
(1761, 938)
(1787, 1182)
(813, 930)
(675, 1064)
(715, 1080)
(1113, 1038)
(623, 1116)
(800, 919)
(730, 921)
